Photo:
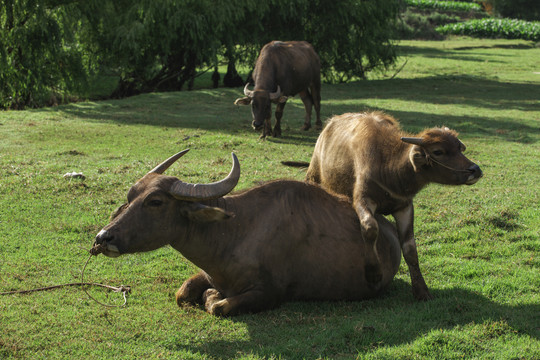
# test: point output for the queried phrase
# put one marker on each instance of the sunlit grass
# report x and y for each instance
(478, 245)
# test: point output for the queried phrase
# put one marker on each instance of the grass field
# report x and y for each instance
(478, 246)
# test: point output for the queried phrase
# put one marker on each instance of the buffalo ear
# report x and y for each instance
(418, 158)
(281, 99)
(243, 101)
(205, 214)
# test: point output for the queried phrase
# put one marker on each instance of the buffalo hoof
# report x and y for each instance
(422, 294)
(266, 132)
(220, 308)
(276, 133)
(215, 304)
(210, 297)
(306, 127)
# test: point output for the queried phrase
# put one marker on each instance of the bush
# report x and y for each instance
(495, 28)
(444, 5)
(416, 25)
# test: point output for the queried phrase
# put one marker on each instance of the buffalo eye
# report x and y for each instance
(438, 152)
(154, 202)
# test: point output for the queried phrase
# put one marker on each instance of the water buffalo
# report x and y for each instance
(367, 157)
(282, 241)
(283, 69)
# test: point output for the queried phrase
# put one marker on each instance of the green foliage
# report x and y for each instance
(517, 9)
(352, 37)
(495, 28)
(40, 57)
(420, 25)
(159, 46)
(444, 5)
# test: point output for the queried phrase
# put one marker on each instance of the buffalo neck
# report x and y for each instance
(400, 178)
(265, 76)
(204, 243)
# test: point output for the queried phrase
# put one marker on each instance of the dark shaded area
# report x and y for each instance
(216, 112)
(231, 78)
(215, 78)
(352, 328)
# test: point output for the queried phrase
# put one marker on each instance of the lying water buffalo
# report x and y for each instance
(282, 241)
(283, 69)
(367, 157)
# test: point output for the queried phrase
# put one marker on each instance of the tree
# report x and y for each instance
(49, 48)
(40, 57)
(517, 9)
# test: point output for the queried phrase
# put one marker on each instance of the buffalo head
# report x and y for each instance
(160, 208)
(438, 154)
(261, 104)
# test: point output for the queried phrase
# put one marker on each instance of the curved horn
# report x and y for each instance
(247, 92)
(198, 192)
(160, 169)
(413, 140)
(275, 95)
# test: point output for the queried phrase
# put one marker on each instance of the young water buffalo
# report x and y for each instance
(367, 157)
(282, 241)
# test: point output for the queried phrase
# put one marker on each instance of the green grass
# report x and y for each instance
(478, 245)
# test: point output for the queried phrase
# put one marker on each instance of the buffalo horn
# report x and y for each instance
(160, 169)
(275, 95)
(199, 192)
(247, 92)
(413, 140)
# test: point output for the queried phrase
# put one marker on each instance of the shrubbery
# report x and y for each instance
(495, 28)
(444, 5)
(416, 25)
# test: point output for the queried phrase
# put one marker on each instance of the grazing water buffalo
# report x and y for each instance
(282, 241)
(367, 157)
(283, 69)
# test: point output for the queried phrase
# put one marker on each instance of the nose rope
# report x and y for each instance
(430, 159)
(94, 251)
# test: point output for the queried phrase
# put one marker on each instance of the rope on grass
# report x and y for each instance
(95, 250)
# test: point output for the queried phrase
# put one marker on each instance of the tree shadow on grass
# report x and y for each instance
(456, 52)
(468, 126)
(345, 329)
(213, 110)
(443, 90)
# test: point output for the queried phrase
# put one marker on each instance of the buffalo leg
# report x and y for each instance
(405, 223)
(365, 208)
(308, 104)
(279, 114)
(316, 97)
(191, 291)
(210, 298)
(267, 128)
(250, 301)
